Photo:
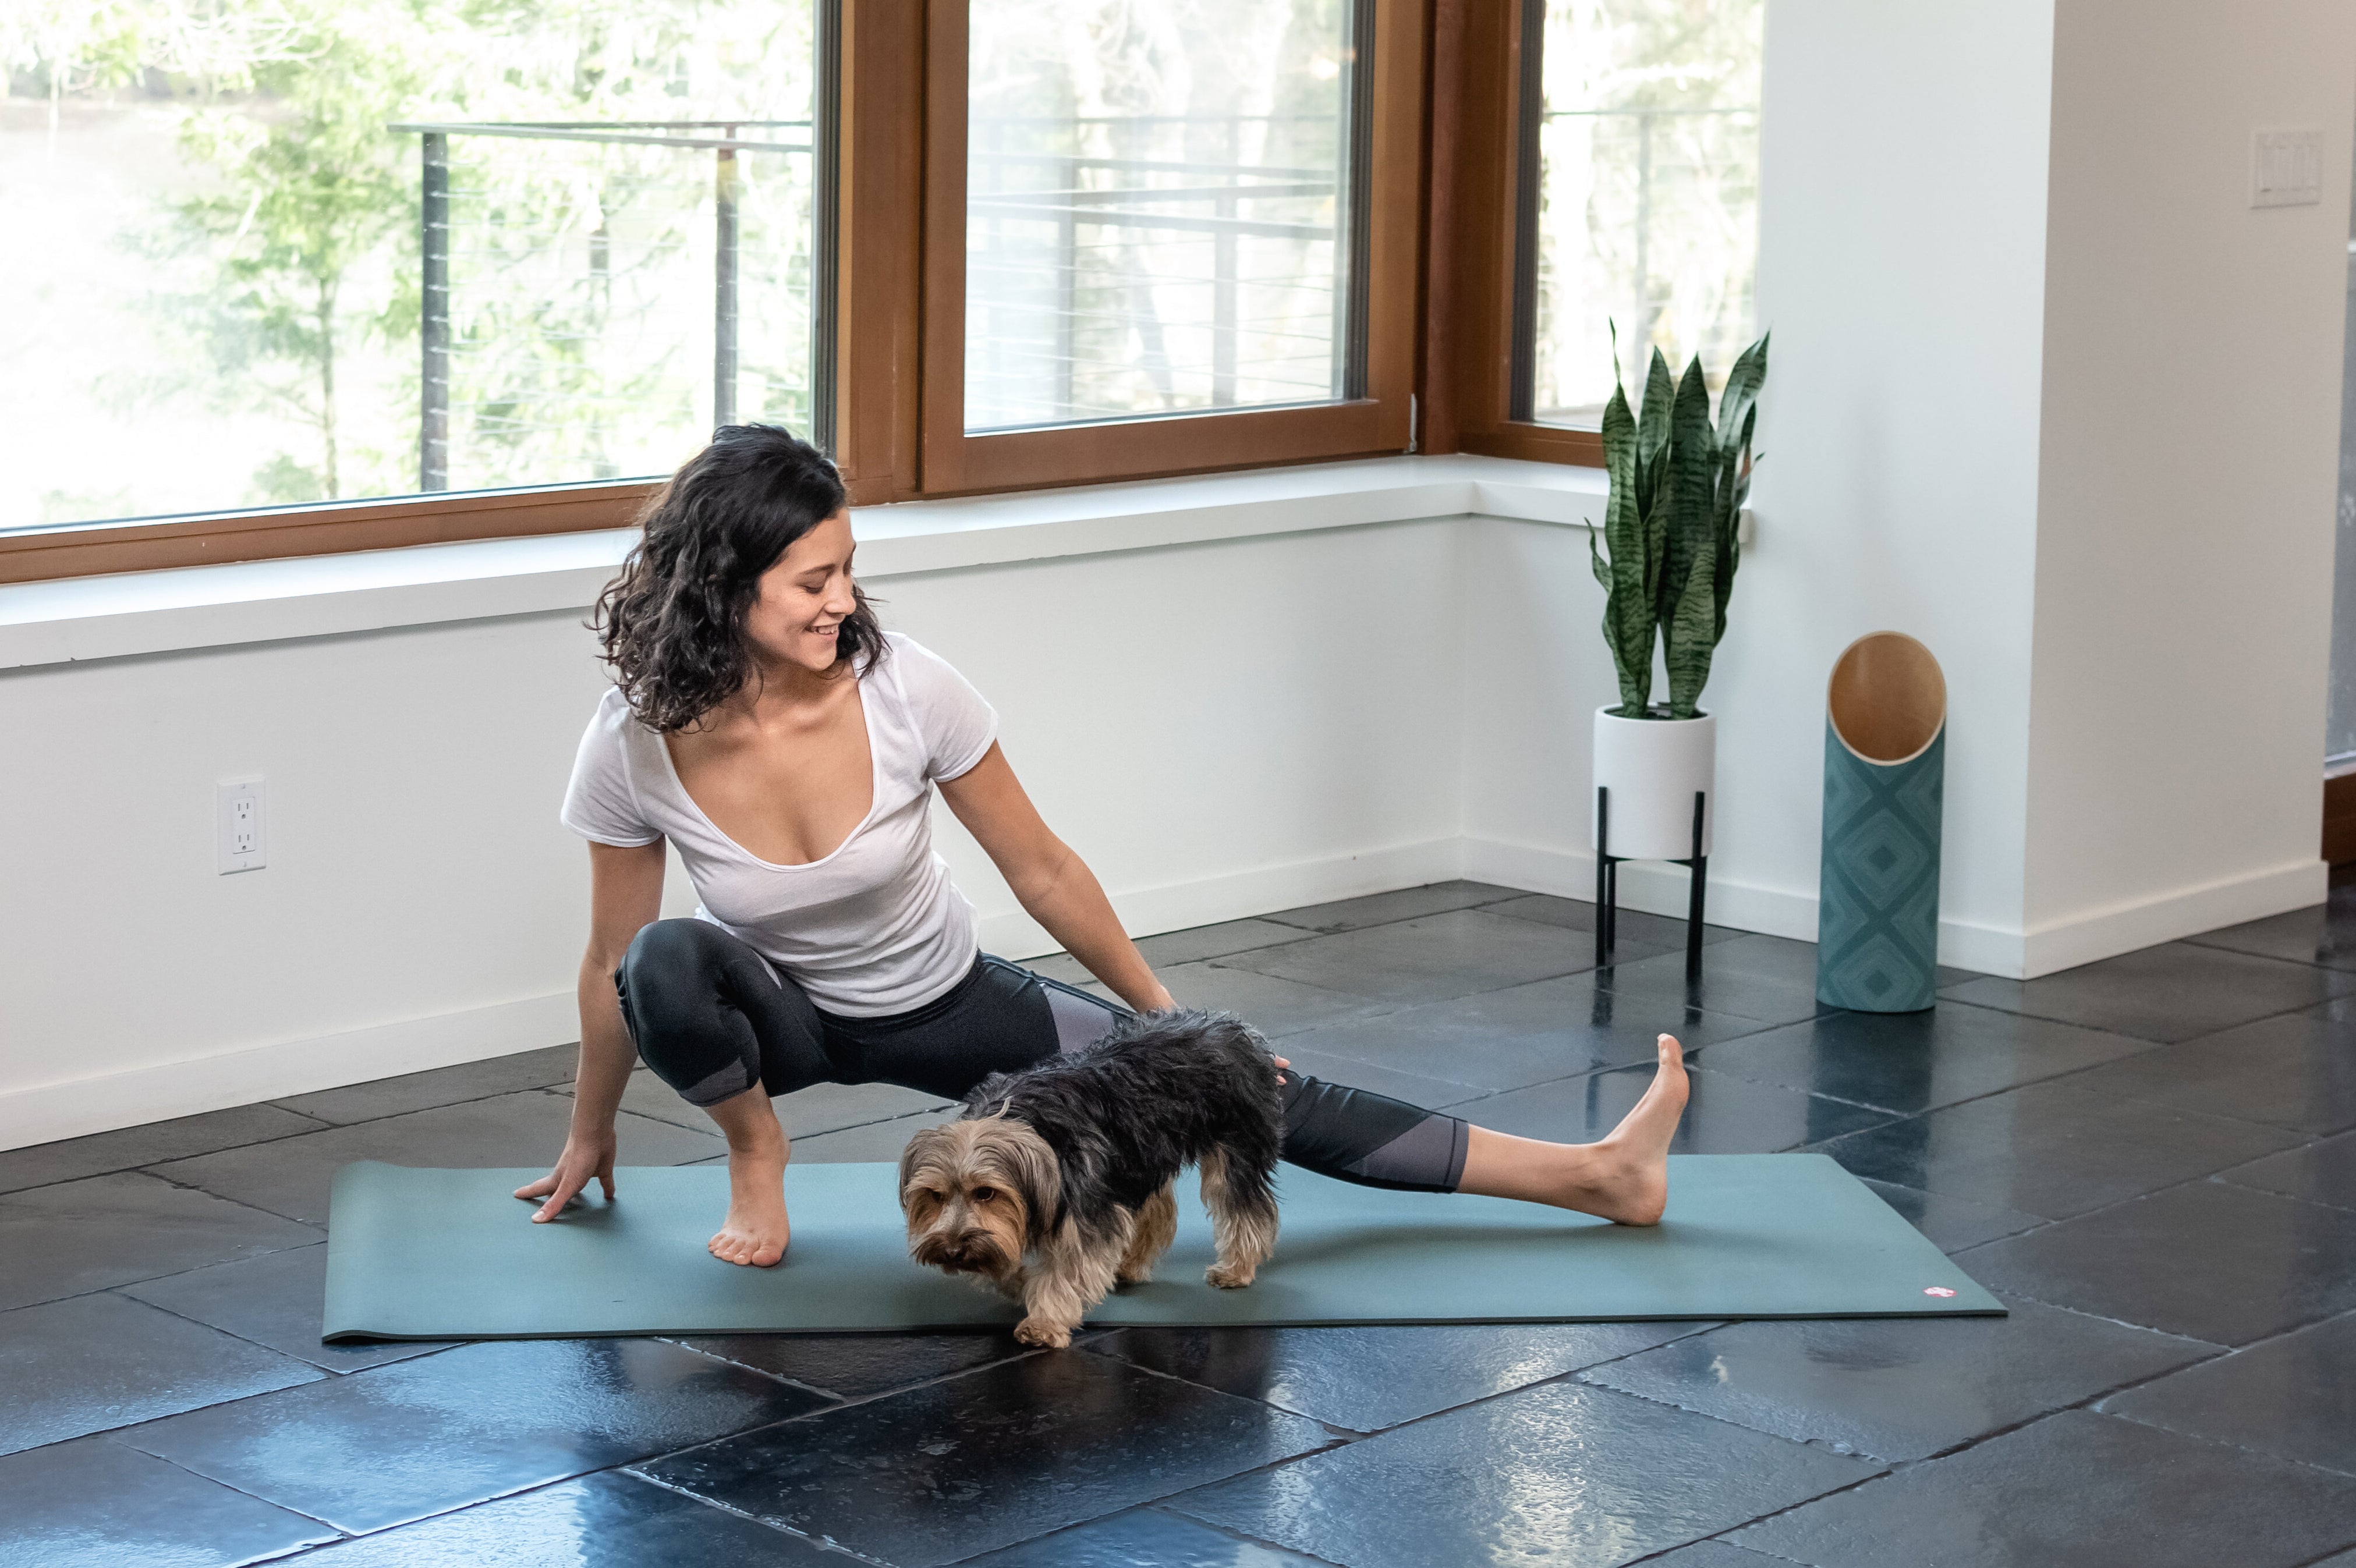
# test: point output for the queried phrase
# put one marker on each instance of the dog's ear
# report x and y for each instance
(1037, 1175)
(929, 1146)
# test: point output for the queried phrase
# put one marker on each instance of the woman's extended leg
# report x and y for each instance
(717, 1022)
(1623, 1177)
(1372, 1140)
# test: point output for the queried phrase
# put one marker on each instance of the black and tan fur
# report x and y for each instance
(1056, 1183)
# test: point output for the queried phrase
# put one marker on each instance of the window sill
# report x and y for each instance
(75, 619)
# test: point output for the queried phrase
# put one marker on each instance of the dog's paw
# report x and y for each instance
(1134, 1276)
(1230, 1276)
(1040, 1332)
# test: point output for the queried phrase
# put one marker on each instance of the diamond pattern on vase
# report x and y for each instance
(1877, 903)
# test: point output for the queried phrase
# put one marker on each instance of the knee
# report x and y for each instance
(667, 968)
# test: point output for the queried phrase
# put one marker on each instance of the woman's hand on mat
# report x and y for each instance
(587, 1156)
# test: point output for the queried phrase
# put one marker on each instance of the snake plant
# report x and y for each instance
(1677, 488)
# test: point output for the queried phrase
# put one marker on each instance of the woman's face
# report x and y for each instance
(804, 599)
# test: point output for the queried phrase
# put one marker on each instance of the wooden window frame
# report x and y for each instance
(1439, 255)
(1381, 420)
(1477, 48)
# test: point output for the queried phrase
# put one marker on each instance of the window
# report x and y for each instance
(294, 276)
(326, 250)
(1144, 213)
(1642, 137)
(1158, 218)
(1623, 148)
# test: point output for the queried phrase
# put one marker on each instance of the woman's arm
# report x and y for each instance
(1055, 887)
(624, 897)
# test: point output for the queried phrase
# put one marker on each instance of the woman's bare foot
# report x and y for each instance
(756, 1233)
(1623, 1177)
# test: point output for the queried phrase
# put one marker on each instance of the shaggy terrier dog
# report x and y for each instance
(1057, 1182)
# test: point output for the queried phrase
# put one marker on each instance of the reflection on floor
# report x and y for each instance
(2151, 1159)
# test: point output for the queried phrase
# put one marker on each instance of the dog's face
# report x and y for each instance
(976, 1193)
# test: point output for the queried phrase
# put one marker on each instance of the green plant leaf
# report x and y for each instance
(1627, 609)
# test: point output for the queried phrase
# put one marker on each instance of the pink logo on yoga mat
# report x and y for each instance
(1938, 1290)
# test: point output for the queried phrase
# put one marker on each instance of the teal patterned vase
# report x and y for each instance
(1885, 759)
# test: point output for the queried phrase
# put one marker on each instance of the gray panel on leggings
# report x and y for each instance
(728, 1082)
(1080, 1020)
(1429, 1154)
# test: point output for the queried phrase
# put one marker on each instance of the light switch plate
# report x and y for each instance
(2286, 168)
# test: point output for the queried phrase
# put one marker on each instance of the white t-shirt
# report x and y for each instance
(874, 928)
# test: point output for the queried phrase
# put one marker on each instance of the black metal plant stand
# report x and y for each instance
(1606, 885)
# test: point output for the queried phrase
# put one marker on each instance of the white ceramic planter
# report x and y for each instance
(1653, 766)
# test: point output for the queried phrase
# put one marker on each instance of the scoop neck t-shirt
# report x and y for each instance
(875, 927)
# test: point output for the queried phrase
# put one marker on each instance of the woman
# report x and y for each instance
(764, 724)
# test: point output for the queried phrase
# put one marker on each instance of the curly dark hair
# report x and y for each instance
(672, 624)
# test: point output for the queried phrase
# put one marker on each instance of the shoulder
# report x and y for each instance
(613, 725)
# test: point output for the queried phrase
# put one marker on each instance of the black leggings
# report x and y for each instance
(713, 1017)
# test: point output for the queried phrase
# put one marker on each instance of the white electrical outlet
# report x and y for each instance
(239, 825)
(2286, 168)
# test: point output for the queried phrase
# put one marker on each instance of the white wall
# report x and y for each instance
(2045, 393)
(2189, 472)
(1219, 728)
(1902, 268)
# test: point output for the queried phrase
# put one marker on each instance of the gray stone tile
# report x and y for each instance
(1572, 914)
(2293, 1396)
(393, 1444)
(1274, 1006)
(92, 1503)
(2205, 1260)
(1558, 1474)
(293, 1176)
(972, 1464)
(1520, 1035)
(1907, 1062)
(1762, 977)
(820, 1108)
(1953, 1223)
(2088, 1490)
(1382, 909)
(275, 1300)
(1723, 1115)
(1714, 1554)
(1218, 941)
(613, 1519)
(127, 1148)
(95, 1362)
(2323, 934)
(2052, 1149)
(2298, 1069)
(876, 1141)
(1414, 1088)
(861, 1366)
(442, 1086)
(2172, 992)
(1898, 1389)
(1428, 959)
(79, 1236)
(2321, 1172)
(1368, 1378)
(1143, 1538)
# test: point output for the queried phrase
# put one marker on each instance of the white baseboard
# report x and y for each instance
(2080, 938)
(2123, 927)
(82, 1105)
(158, 1092)
(1236, 895)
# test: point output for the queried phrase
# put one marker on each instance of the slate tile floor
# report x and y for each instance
(2153, 1160)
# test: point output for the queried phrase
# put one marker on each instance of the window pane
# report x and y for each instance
(284, 251)
(1647, 200)
(1158, 211)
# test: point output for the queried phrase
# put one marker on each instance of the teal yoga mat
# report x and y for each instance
(448, 1255)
